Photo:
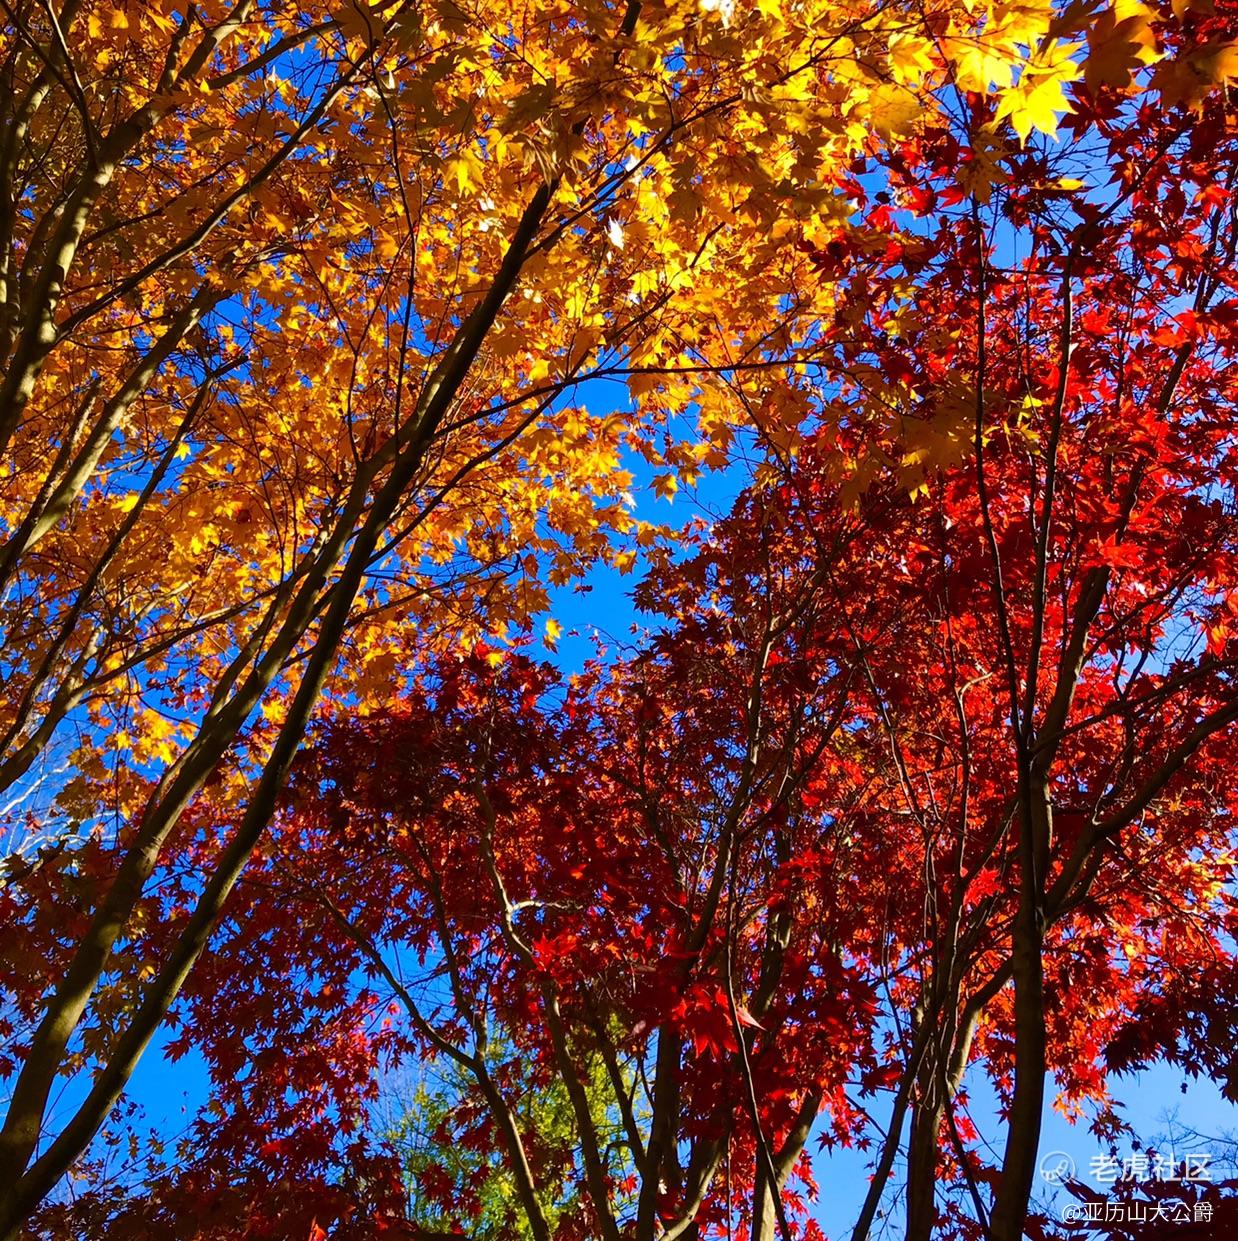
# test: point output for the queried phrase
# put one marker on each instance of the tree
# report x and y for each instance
(290, 463)
(724, 867)
(796, 802)
(446, 1159)
(269, 400)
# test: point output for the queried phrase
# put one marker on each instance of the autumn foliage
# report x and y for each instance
(341, 340)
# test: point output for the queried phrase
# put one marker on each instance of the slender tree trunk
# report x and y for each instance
(1023, 1135)
(922, 1163)
(662, 1132)
(1027, 1106)
(764, 1215)
(764, 1222)
(23, 1187)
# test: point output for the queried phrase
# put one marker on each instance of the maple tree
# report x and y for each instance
(700, 900)
(1075, 581)
(296, 304)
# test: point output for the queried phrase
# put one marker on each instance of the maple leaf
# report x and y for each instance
(1120, 41)
(1035, 102)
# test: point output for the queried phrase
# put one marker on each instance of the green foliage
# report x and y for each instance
(447, 1159)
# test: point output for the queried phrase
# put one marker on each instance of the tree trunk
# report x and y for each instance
(1023, 1135)
(922, 1163)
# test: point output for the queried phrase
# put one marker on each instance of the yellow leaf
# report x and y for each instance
(910, 57)
(1189, 80)
(894, 110)
(1036, 107)
(1217, 62)
(160, 21)
(460, 170)
(1119, 41)
(978, 69)
(665, 486)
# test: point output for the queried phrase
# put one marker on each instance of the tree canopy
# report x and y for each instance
(340, 340)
